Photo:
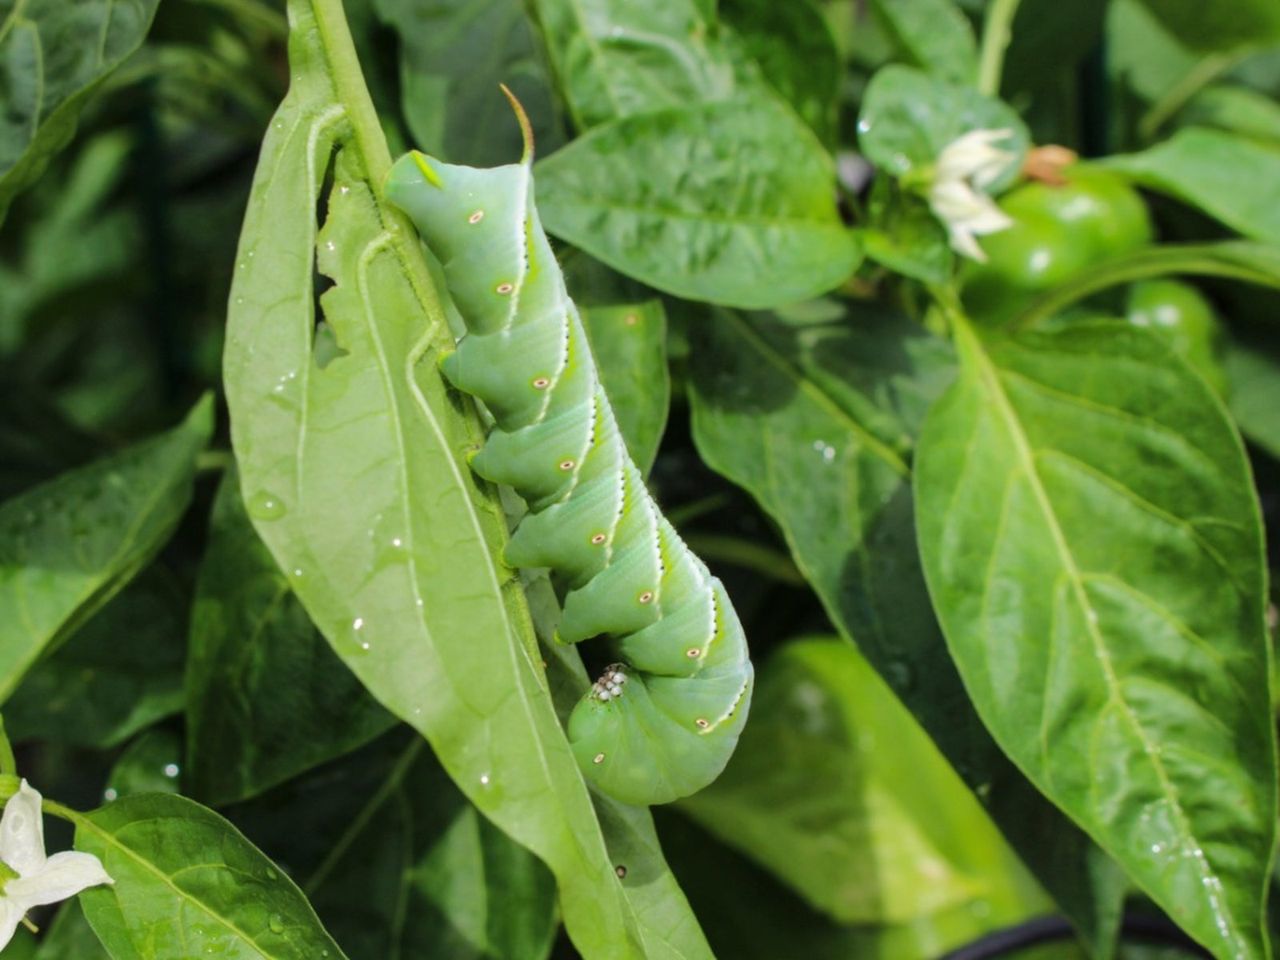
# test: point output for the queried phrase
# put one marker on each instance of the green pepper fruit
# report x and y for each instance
(1057, 231)
(1178, 312)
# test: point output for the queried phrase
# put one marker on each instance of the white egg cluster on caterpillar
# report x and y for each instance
(663, 723)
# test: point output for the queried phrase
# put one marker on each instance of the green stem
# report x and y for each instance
(348, 81)
(63, 813)
(1203, 260)
(363, 818)
(1177, 96)
(214, 461)
(748, 555)
(997, 31)
(8, 764)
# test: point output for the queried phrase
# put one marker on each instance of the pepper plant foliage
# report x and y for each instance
(945, 331)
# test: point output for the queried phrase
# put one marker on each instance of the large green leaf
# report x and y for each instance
(1236, 109)
(1093, 549)
(932, 35)
(68, 545)
(416, 872)
(629, 343)
(187, 885)
(908, 118)
(453, 54)
(354, 473)
(1254, 398)
(794, 49)
(840, 794)
(614, 58)
(1231, 178)
(1219, 26)
(818, 424)
(666, 197)
(52, 56)
(71, 938)
(266, 697)
(119, 673)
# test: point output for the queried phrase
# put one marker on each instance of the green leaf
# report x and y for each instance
(901, 836)
(818, 424)
(1231, 178)
(794, 49)
(1254, 375)
(71, 938)
(52, 57)
(1235, 109)
(151, 764)
(418, 873)
(188, 884)
(1219, 26)
(629, 342)
(932, 35)
(68, 545)
(908, 117)
(1141, 53)
(1093, 549)
(614, 58)
(757, 918)
(453, 54)
(266, 696)
(1233, 259)
(666, 198)
(119, 673)
(671, 930)
(904, 235)
(354, 473)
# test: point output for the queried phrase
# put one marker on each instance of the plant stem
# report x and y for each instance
(351, 91)
(214, 461)
(8, 764)
(1199, 76)
(63, 813)
(997, 31)
(1191, 259)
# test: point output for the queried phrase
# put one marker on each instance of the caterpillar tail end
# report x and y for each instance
(632, 746)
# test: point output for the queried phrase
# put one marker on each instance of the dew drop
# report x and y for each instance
(272, 875)
(265, 506)
(621, 871)
(357, 623)
(484, 779)
(171, 770)
(598, 758)
(110, 794)
(276, 923)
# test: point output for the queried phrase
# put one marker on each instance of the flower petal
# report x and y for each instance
(962, 242)
(22, 831)
(64, 875)
(10, 916)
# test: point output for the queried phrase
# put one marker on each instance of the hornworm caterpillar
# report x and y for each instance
(662, 723)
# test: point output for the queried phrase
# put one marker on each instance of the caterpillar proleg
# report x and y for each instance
(662, 722)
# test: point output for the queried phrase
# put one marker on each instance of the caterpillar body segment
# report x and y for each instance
(663, 723)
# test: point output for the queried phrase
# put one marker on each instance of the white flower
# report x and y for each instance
(965, 167)
(28, 878)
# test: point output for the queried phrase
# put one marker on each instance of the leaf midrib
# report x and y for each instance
(112, 840)
(971, 346)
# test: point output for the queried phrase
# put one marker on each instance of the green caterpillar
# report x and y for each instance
(663, 723)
